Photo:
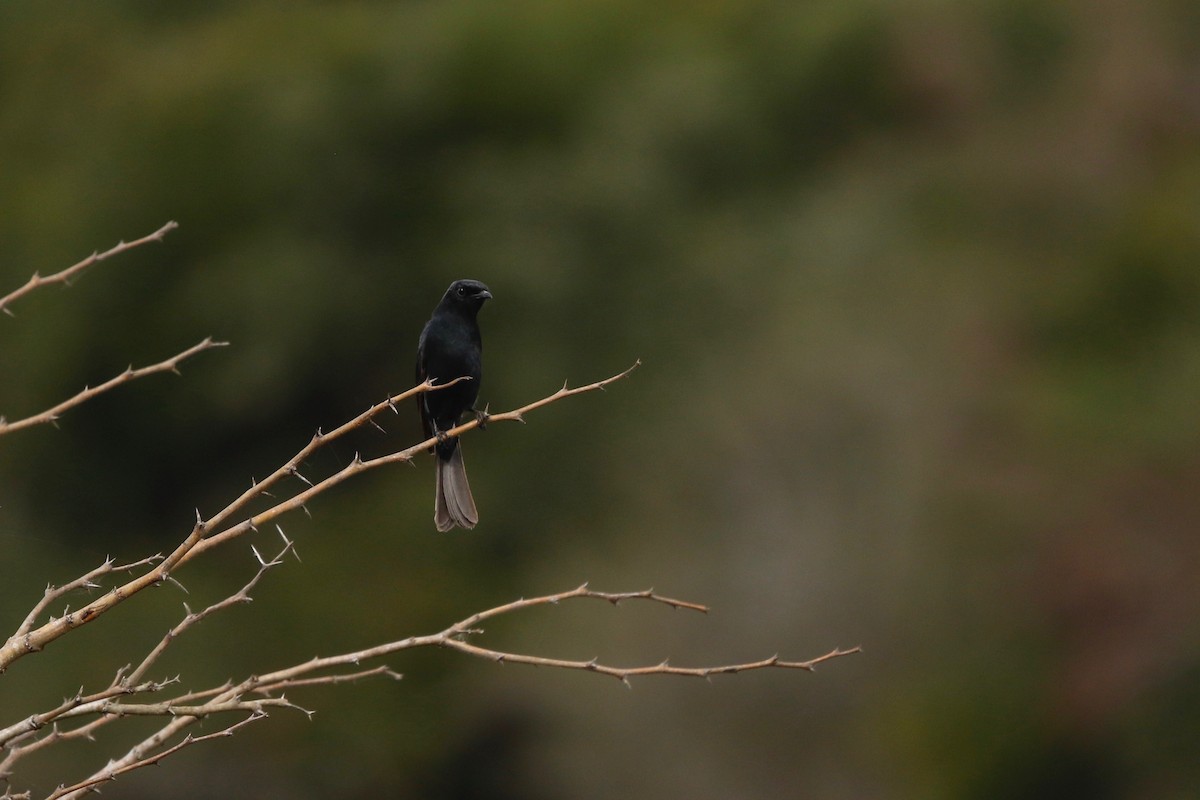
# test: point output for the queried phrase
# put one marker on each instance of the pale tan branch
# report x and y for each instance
(128, 682)
(320, 439)
(193, 706)
(85, 581)
(137, 758)
(65, 276)
(331, 680)
(203, 538)
(73, 706)
(191, 618)
(359, 465)
(130, 374)
(455, 636)
(625, 673)
(580, 591)
(171, 709)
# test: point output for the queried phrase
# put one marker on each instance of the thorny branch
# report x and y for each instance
(256, 694)
(87, 393)
(113, 771)
(127, 682)
(83, 715)
(206, 534)
(36, 281)
(130, 374)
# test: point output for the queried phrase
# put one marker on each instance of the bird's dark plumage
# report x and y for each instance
(450, 347)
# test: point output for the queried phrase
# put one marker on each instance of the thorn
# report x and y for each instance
(377, 426)
(258, 556)
(295, 472)
(173, 580)
(625, 680)
(304, 508)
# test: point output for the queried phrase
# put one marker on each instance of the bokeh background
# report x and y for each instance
(915, 287)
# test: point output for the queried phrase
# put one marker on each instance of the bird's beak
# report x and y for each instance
(485, 295)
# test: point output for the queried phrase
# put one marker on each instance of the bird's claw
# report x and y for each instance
(481, 417)
(441, 437)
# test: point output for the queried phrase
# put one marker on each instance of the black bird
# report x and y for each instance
(450, 347)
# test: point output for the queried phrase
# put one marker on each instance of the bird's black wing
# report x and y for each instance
(422, 374)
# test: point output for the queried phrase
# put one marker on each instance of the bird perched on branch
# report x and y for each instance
(450, 347)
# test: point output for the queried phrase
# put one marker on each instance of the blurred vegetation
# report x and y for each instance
(915, 286)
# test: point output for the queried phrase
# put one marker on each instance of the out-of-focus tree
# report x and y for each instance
(914, 285)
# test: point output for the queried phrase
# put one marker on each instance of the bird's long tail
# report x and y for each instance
(454, 504)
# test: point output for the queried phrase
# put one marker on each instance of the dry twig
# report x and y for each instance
(115, 770)
(65, 277)
(36, 281)
(88, 392)
(82, 715)
(322, 671)
(206, 534)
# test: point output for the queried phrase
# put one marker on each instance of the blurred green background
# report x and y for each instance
(915, 286)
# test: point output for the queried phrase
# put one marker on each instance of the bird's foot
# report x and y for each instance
(481, 417)
(441, 437)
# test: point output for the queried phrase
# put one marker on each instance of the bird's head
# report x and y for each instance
(467, 294)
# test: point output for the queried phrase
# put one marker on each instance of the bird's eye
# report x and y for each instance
(462, 291)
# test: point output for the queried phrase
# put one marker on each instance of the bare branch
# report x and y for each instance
(65, 276)
(454, 637)
(189, 708)
(71, 707)
(203, 538)
(85, 581)
(358, 465)
(135, 760)
(129, 682)
(82, 715)
(625, 673)
(172, 709)
(130, 374)
(191, 618)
